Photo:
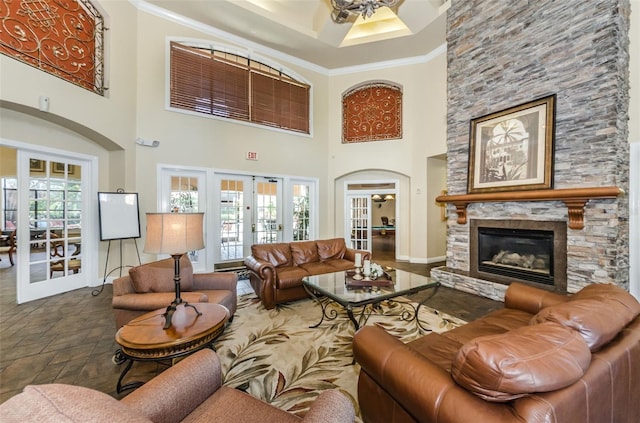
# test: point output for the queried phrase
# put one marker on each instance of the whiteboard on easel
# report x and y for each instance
(119, 215)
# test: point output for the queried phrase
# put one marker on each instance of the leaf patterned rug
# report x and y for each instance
(275, 356)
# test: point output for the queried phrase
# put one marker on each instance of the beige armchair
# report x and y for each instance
(189, 391)
(150, 287)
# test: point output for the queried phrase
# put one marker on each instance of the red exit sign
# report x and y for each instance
(252, 155)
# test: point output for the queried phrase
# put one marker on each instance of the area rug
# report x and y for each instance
(275, 356)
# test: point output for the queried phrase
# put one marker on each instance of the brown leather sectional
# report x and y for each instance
(545, 357)
(277, 270)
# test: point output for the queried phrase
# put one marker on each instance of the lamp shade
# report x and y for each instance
(174, 233)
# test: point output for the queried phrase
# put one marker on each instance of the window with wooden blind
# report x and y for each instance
(62, 38)
(230, 86)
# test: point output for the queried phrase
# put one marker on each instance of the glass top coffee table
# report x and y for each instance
(365, 299)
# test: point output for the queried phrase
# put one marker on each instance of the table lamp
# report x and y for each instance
(174, 234)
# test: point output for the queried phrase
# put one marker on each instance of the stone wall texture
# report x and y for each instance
(505, 53)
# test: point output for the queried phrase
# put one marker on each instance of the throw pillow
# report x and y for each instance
(66, 403)
(304, 252)
(538, 358)
(158, 276)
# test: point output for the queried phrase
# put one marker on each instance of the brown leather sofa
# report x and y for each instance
(277, 270)
(151, 287)
(190, 391)
(545, 357)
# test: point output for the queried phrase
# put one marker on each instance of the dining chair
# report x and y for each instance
(10, 248)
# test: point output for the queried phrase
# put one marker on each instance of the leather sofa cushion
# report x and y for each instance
(304, 252)
(158, 276)
(290, 277)
(278, 254)
(66, 403)
(537, 358)
(331, 249)
(318, 268)
(599, 315)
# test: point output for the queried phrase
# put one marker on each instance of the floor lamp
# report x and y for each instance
(174, 234)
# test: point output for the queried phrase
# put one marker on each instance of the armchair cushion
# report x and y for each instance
(538, 358)
(66, 403)
(157, 276)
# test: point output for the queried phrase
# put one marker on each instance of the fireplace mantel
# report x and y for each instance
(574, 198)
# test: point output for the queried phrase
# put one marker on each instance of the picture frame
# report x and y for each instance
(513, 149)
(36, 165)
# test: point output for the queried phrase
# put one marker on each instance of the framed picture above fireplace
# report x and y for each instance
(512, 150)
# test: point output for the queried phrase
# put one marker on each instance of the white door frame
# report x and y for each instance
(26, 291)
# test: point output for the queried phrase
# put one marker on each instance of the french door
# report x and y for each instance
(53, 214)
(250, 212)
(185, 191)
(359, 221)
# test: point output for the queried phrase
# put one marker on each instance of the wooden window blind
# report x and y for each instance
(231, 86)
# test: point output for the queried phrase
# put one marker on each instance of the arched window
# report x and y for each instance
(371, 112)
(226, 85)
(64, 39)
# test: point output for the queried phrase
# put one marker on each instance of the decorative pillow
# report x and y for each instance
(304, 252)
(66, 403)
(596, 315)
(331, 249)
(157, 276)
(538, 358)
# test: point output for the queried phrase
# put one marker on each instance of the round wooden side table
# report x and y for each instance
(144, 339)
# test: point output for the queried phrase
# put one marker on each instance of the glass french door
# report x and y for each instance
(52, 212)
(184, 191)
(358, 220)
(250, 213)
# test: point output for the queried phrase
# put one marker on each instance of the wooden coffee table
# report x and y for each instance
(144, 339)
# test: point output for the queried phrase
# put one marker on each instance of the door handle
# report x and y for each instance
(280, 227)
(253, 227)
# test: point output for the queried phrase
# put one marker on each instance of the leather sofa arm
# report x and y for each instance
(330, 407)
(259, 267)
(423, 389)
(530, 299)
(177, 391)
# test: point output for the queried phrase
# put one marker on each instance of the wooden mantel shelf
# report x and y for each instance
(574, 198)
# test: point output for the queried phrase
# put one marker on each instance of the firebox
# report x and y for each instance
(526, 251)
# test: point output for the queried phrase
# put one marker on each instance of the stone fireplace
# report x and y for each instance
(500, 54)
(527, 251)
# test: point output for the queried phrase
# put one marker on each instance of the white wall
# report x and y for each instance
(424, 135)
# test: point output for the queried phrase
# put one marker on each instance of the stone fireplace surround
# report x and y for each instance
(504, 53)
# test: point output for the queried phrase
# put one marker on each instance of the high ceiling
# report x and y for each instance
(304, 28)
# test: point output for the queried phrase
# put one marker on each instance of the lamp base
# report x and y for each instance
(168, 315)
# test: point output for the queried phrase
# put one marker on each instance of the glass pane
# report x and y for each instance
(300, 212)
(266, 211)
(231, 219)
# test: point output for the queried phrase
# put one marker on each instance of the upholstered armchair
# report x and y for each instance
(189, 391)
(150, 287)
